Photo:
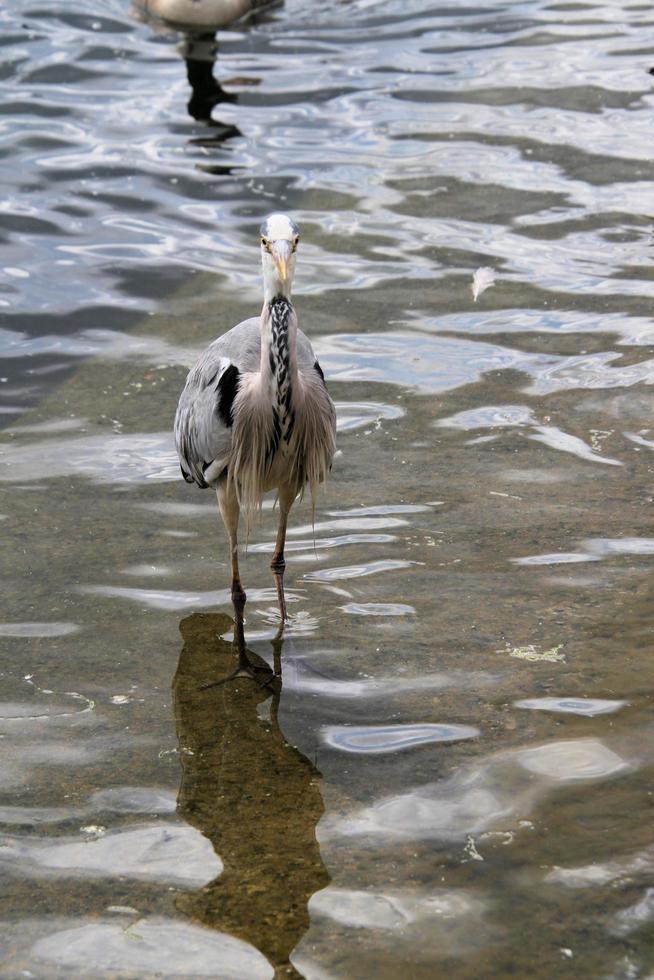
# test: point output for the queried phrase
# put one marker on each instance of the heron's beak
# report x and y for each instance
(281, 252)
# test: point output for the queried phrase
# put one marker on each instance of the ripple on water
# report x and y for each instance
(173, 508)
(555, 558)
(435, 364)
(171, 599)
(639, 440)
(34, 630)
(489, 417)
(357, 571)
(632, 330)
(635, 916)
(149, 946)
(147, 571)
(608, 547)
(134, 799)
(34, 816)
(392, 910)
(23, 716)
(111, 458)
(620, 871)
(302, 675)
(520, 416)
(53, 425)
(29, 746)
(376, 739)
(587, 707)
(491, 791)
(593, 549)
(428, 364)
(109, 344)
(337, 541)
(119, 799)
(553, 437)
(583, 758)
(356, 415)
(377, 509)
(377, 609)
(353, 522)
(170, 853)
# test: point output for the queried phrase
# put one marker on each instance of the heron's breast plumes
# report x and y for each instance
(284, 420)
(283, 374)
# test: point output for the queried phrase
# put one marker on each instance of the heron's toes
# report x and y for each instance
(263, 676)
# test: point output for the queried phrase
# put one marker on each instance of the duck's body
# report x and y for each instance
(201, 14)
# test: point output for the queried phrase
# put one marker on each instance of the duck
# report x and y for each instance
(201, 15)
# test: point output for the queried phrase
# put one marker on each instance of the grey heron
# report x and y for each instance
(255, 414)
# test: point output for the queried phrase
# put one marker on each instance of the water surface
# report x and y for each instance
(454, 776)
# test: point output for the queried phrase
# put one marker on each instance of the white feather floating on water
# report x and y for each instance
(482, 279)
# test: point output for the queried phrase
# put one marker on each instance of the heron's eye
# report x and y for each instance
(296, 242)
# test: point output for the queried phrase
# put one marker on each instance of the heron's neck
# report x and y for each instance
(273, 287)
(278, 342)
(279, 367)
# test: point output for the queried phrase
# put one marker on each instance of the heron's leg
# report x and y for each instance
(278, 564)
(230, 512)
(277, 651)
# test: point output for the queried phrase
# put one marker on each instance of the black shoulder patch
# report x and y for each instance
(187, 476)
(316, 367)
(227, 388)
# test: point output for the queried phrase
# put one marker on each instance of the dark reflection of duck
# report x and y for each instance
(199, 52)
(199, 20)
(252, 794)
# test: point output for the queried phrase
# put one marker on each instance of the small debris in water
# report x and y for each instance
(470, 851)
(120, 699)
(597, 437)
(504, 837)
(93, 829)
(122, 910)
(531, 654)
(481, 281)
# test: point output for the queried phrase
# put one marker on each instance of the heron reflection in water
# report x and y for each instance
(254, 796)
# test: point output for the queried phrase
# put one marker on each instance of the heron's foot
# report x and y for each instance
(263, 676)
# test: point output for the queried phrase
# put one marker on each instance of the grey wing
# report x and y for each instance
(305, 356)
(203, 421)
(308, 363)
(242, 345)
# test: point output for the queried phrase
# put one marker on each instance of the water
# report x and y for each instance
(455, 775)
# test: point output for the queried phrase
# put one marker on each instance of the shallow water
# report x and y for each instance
(455, 776)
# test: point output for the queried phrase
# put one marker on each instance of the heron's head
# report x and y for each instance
(279, 241)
